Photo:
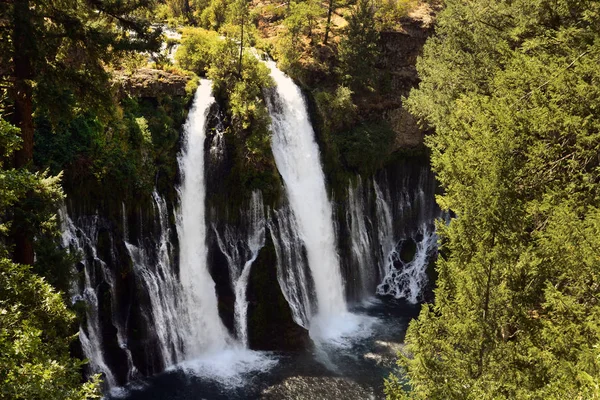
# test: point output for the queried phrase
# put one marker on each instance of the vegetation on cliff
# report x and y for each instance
(332, 49)
(36, 328)
(512, 90)
(60, 112)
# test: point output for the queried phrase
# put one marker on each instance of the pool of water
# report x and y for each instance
(352, 369)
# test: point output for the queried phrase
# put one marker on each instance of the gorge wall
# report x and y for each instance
(129, 276)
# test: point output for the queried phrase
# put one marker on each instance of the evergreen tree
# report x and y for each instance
(36, 328)
(512, 91)
(359, 49)
(54, 52)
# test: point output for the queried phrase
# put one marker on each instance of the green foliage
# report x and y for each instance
(249, 117)
(35, 326)
(387, 13)
(65, 47)
(241, 94)
(129, 154)
(197, 46)
(299, 37)
(359, 49)
(365, 147)
(35, 332)
(214, 15)
(512, 91)
(336, 109)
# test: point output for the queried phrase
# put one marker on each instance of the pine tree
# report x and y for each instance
(512, 92)
(54, 52)
(359, 49)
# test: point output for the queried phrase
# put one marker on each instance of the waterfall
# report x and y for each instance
(400, 278)
(361, 242)
(407, 279)
(241, 251)
(83, 240)
(297, 158)
(292, 274)
(155, 270)
(401, 219)
(385, 229)
(202, 329)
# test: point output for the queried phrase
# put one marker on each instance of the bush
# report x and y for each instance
(367, 146)
(335, 108)
(389, 12)
(196, 48)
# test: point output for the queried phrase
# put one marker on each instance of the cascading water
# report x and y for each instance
(241, 251)
(183, 326)
(297, 158)
(203, 330)
(361, 242)
(83, 240)
(407, 279)
(208, 349)
(292, 272)
(155, 270)
(399, 220)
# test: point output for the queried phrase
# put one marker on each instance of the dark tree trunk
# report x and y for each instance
(241, 49)
(327, 26)
(21, 94)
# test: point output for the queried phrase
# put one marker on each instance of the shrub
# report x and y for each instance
(196, 48)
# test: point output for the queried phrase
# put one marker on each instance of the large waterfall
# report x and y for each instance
(203, 329)
(297, 158)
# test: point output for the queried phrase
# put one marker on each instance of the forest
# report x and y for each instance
(496, 265)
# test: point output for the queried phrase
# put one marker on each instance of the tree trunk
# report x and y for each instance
(241, 48)
(22, 118)
(327, 26)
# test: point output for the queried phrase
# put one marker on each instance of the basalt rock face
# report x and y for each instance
(148, 82)
(270, 323)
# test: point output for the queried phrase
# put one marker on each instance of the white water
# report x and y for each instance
(241, 251)
(155, 270)
(292, 272)
(409, 281)
(297, 158)
(202, 329)
(360, 227)
(83, 241)
(208, 349)
(398, 278)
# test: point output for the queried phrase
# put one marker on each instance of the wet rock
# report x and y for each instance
(317, 388)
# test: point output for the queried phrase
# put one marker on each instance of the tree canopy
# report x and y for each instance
(512, 90)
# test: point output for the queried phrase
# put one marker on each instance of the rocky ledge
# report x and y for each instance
(149, 82)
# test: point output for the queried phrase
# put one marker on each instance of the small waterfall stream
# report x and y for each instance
(241, 251)
(83, 241)
(362, 243)
(293, 274)
(154, 268)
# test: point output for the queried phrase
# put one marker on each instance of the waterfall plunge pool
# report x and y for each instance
(353, 369)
